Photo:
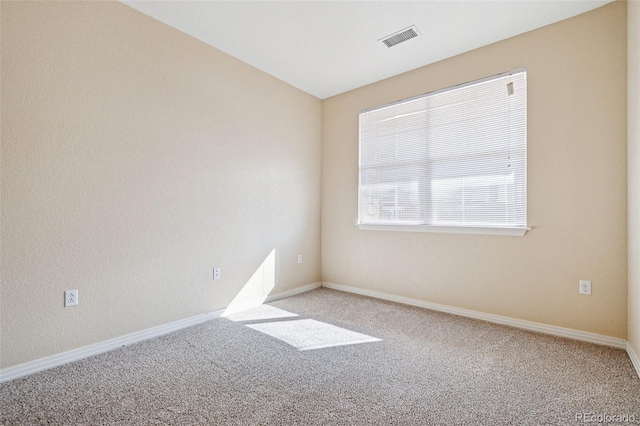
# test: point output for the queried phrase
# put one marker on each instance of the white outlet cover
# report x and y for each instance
(70, 298)
(585, 287)
(299, 258)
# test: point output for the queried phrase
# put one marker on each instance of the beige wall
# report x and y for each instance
(134, 160)
(576, 187)
(633, 90)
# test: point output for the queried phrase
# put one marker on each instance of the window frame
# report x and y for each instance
(487, 229)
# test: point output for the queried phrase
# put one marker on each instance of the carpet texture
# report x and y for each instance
(427, 368)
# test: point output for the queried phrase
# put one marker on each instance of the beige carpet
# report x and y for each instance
(327, 357)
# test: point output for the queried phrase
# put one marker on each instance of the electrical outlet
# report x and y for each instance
(70, 298)
(299, 258)
(217, 273)
(585, 287)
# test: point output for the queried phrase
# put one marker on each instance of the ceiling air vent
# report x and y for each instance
(400, 36)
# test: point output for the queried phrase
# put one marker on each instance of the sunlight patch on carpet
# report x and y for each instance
(262, 312)
(310, 334)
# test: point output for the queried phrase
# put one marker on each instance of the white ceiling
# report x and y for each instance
(329, 47)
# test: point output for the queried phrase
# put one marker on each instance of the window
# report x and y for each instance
(451, 160)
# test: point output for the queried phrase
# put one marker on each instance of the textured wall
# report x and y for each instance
(633, 90)
(577, 187)
(134, 160)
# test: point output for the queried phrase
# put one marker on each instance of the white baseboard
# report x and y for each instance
(498, 319)
(293, 292)
(237, 307)
(84, 352)
(107, 345)
(635, 359)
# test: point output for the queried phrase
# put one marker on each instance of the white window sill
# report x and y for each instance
(519, 232)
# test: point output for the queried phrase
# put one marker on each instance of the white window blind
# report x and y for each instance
(451, 158)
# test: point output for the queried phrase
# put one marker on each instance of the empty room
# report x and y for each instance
(320, 212)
